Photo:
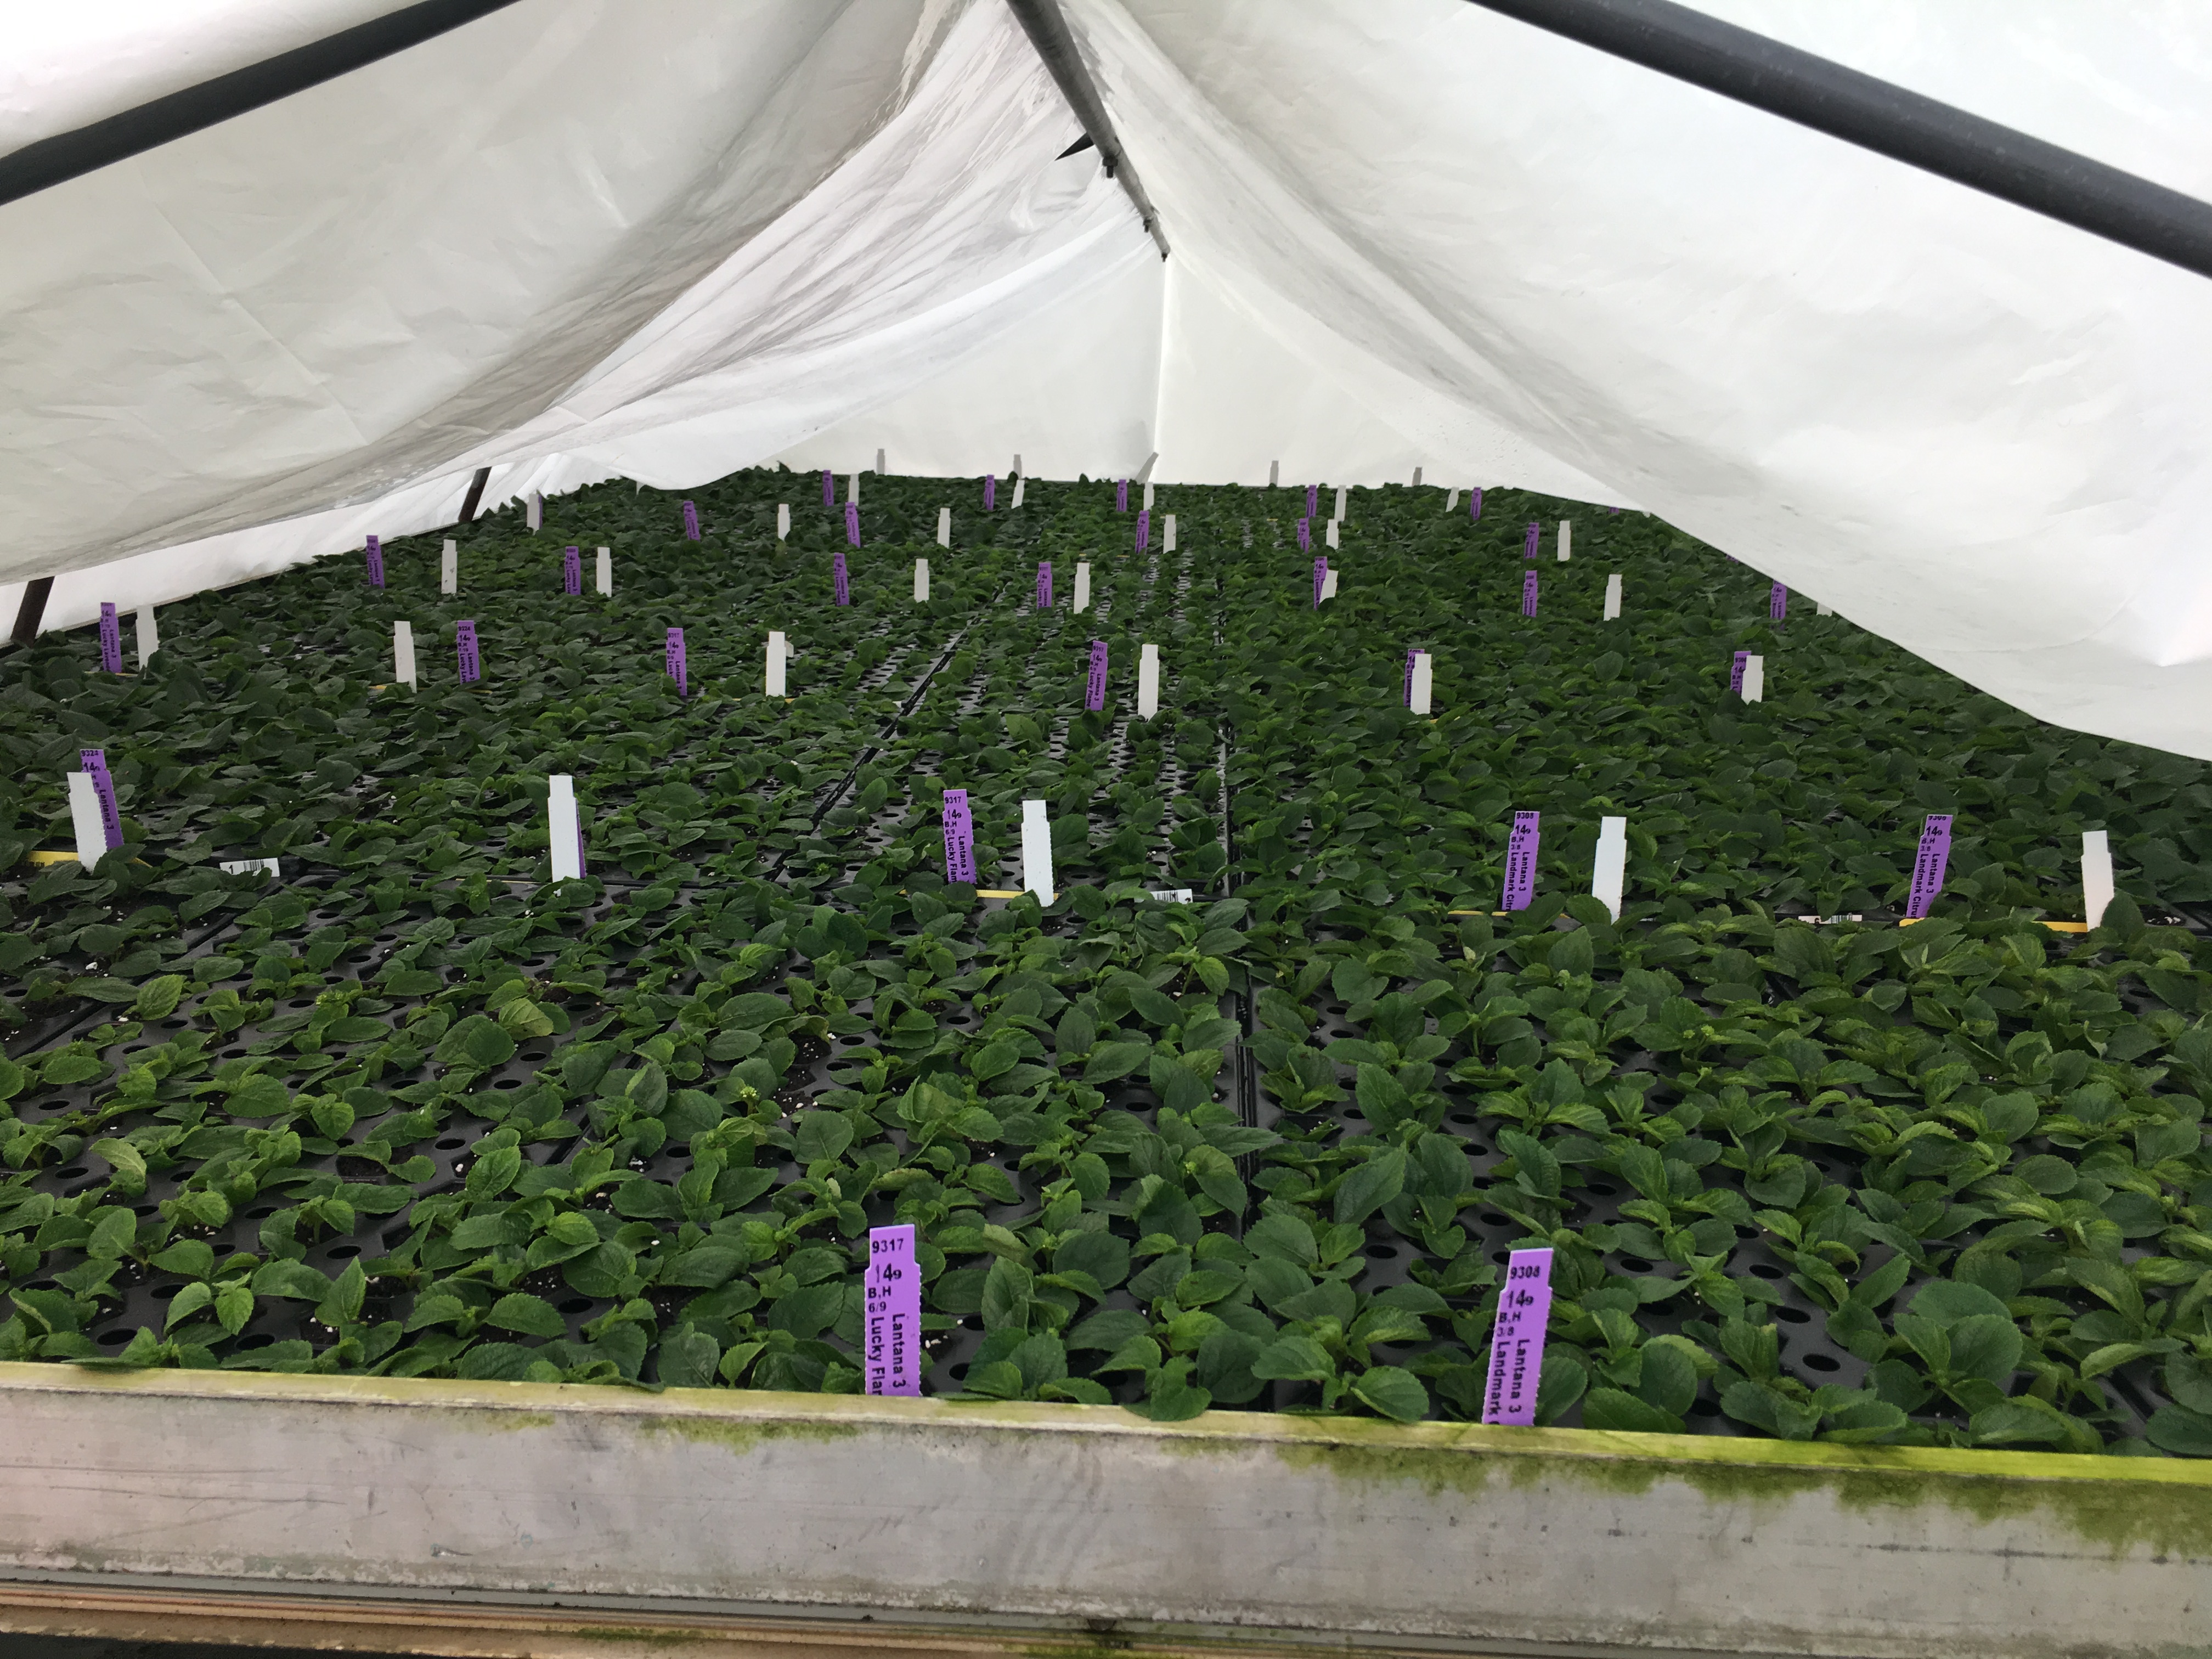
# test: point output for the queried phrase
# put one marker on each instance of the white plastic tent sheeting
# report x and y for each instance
(576, 239)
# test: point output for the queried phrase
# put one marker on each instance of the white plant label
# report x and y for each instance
(1822, 611)
(1754, 678)
(606, 573)
(1148, 682)
(1082, 585)
(1148, 498)
(1169, 544)
(403, 654)
(1021, 481)
(945, 527)
(1612, 598)
(449, 568)
(564, 838)
(1417, 477)
(534, 514)
(852, 490)
(782, 520)
(1274, 474)
(1424, 679)
(1451, 501)
(1331, 532)
(777, 650)
(1017, 471)
(1036, 852)
(149, 637)
(879, 463)
(1612, 864)
(920, 582)
(2096, 874)
(1168, 894)
(86, 820)
(1566, 539)
(1144, 472)
(248, 866)
(1343, 502)
(1328, 585)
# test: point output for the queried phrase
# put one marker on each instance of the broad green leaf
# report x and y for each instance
(532, 1316)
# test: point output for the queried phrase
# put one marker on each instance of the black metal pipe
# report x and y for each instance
(1875, 115)
(1048, 33)
(475, 494)
(32, 610)
(67, 155)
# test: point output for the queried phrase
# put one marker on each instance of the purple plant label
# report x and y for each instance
(111, 640)
(1313, 501)
(1520, 861)
(572, 570)
(1475, 504)
(93, 763)
(1144, 529)
(853, 523)
(959, 837)
(1928, 867)
(1320, 578)
(1529, 548)
(464, 646)
(842, 578)
(1122, 496)
(690, 521)
(1305, 535)
(1528, 594)
(676, 662)
(1736, 670)
(1412, 653)
(375, 561)
(1777, 603)
(1516, 1340)
(1044, 585)
(828, 488)
(1094, 690)
(892, 1314)
(990, 492)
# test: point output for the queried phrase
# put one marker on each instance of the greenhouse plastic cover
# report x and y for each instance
(579, 240)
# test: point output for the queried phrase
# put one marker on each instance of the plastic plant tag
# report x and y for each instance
(464, 648)
(1929, 865)
(1148, 682)
(1420, 687)
(840, 580)
(853, 523)
(1036, 852)
(1082, 600)
(1451, 501)
(1521, 846)
(1329, 532)
(1412, 652)
(1328, 585)
(828, 488)
(564, 835)
(777, 650)
(1516, 1340)
(1735, 672)
(782, 520)
(149, 637)
(1528, 594)
(1145, 528)
(375, 550)
(1274, 474)
(690, 521)
(1170, 894)
(1754, 677)
(1613, 598)
(1822, 611)
(533, 512)
(1417, 477)
(676, 663)
(1566, 539)
(449, 567)
(1321, 574)
(86, 819)
(959, 838)
(1094, 688)
(1343, 503)
(1305, 535)
(111, 640)
(1167, 533)
(572, 570)
(1015, 470)
(1529, 544)
(1313, 501)
(250, 866)
(1044, 585)
(403, 654)
(853, 490)
(606, 573)
(879, 463)
(891, 1318)
(945, 527)
(1475, 504)
(990, 500)
(1612, 866)
(94, 763)
(1777, 603)
(1122, 496)
(921, 582)
(1020, 484)
(1148, 494)
(2096, 875)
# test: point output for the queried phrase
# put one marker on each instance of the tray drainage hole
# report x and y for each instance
(1763, 1271)
(258, 1339)
(73, 1170)
(575, 1304)
(1635, 1264)
(450, 1142)
(1821, 1362)
(261, 1211)
(1795, 1316)
(344, 1252)
(1601, 1188)
(116, 1338)
(165, 1293)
